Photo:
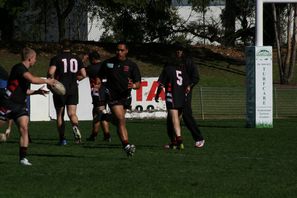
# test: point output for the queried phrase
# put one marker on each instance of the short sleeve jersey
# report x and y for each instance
(17, 85)
(118, 74)
(175, 81)
(68, 66)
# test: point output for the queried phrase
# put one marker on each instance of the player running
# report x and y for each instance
(122, 75)
(67, 68)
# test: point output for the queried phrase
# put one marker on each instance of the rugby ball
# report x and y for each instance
(58, 88)
(3, 137)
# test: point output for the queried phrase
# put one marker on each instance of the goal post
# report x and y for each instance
(259, 98)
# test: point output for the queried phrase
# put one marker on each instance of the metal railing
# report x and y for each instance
(230, 102)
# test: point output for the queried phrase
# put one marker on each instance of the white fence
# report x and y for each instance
(230, 102)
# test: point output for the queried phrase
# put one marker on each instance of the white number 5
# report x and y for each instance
(179, 78)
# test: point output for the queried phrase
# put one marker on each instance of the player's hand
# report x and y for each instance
(50, 81)
(188, 89)
(41, 91)
(130, 84)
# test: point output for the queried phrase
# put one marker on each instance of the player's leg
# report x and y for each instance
(119, 113)
(106, 132)
(60, 111)
(190, 122)
(22, 124)
(71, 111)
(95, 124)
(175, 116)
(170, 133)
(59, 103)
(104, 120)
(9, 126)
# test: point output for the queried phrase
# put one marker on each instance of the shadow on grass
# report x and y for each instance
(57, 155)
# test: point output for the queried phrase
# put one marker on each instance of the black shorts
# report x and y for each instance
(126, 102)
(10, 110)
(61, 101)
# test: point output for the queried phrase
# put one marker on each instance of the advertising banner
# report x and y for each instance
(143, 103)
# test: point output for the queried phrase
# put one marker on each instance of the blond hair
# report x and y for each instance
(27, 53)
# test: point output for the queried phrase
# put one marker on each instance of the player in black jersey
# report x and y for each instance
(67, 68)
(13, 102)
(122, 75)
(181, 57)
(99, 100)
(175, 81)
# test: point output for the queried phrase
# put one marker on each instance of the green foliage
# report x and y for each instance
(2, 3)
(145, 21)
(14, 7)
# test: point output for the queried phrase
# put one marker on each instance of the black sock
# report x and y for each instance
(125, 143)
(23, 152)
(179, 140)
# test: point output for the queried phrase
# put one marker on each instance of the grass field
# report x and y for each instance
(235, 162)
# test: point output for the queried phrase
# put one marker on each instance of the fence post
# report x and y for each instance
(201, 103)
(275, 103)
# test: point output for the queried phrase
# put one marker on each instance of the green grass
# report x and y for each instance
(235, 162)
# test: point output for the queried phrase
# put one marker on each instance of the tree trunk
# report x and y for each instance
(294, 48)
(289, 40)
(6, 25)
(62, 15)
(229, 23)
(278, 45)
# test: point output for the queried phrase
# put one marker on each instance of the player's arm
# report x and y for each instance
(192, 72)
(160, 88)
(37, 80)
(51, 71)
(135, 83)
(82, 74)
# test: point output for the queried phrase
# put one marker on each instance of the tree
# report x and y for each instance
(239, 10)
(286, 58)
(62, 14)
(138, 21)
(8, 12)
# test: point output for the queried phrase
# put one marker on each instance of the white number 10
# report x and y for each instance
(73, 67)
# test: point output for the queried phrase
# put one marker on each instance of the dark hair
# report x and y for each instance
(123, 43)
(179, 46)
(93, 55)
(66, 44)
